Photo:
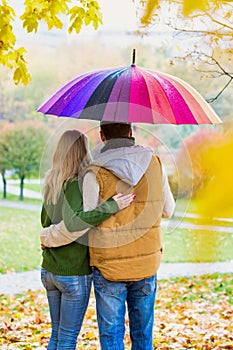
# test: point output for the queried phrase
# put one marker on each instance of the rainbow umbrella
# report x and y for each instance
(130, 94)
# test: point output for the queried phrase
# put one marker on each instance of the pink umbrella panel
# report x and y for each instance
(130, 94)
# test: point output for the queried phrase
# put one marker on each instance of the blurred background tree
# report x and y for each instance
(4, 163)
(216, 197)
(196, 174)
(24, 144)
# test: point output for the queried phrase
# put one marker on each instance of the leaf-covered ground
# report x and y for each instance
(190, 313)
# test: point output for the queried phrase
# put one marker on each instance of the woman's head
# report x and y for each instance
(71, 150)
(70, 157)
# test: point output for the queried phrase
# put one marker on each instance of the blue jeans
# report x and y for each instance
(111, 299)
(68, 298)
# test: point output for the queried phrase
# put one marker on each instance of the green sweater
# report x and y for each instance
(72, 259)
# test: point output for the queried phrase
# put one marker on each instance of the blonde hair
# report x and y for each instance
(70, 157)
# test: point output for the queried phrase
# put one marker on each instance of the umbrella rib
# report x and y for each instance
(155, 96)
(99, 98)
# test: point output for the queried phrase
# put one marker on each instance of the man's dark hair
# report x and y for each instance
(115, 130)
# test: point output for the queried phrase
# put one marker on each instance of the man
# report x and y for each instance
(125, 250)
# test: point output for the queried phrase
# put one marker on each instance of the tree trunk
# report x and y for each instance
(21, 187)
(4, 183)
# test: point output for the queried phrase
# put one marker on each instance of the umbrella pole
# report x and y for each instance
(133, 58)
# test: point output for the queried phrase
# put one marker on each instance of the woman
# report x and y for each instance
(66, 273)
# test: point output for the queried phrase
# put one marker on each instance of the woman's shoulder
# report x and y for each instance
(75, 179)
(73, 184)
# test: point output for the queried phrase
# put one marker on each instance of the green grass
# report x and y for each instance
(186, 245)
(184, 205)
(29, 186)
(19, 240)
(33, 187)
(20, 245)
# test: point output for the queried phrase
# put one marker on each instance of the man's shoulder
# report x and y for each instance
(156, 161)
(92, 168)
(156, 158)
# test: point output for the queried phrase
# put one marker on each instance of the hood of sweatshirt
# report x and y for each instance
(127, 163)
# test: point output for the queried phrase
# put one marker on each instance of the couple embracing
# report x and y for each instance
(101, 222)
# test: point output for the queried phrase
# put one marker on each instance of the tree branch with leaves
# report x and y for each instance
(210, 22)
(54, 13)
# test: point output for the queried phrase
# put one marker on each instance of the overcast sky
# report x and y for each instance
(119, 14)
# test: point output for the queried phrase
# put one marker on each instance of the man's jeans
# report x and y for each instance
(68, 298)
(111, 298)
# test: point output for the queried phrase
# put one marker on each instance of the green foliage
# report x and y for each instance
(54, 13)
(25, 143)
(3, 153)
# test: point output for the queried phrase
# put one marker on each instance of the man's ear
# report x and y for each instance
(102, 137)
(131, 133)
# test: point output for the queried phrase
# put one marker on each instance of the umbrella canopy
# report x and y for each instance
(130, 94)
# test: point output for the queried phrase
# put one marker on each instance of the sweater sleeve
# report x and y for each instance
(75, 219)
(45, 219)
(169, 203)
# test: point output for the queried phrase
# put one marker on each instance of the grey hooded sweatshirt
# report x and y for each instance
(129, 162)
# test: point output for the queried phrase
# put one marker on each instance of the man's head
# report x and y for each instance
(110, 131)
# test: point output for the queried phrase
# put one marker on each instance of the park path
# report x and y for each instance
(13, 188)
(17, 282)
(19, 205)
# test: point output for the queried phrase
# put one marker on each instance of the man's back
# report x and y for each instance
(131, 237)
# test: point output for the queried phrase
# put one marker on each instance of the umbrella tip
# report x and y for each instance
(133, 58)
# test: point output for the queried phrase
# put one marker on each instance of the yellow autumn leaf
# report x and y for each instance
(218, 159)
(54, 13)
(149, 10)
(76, 11)
(90, 335)
(30, 24)
(190, 6)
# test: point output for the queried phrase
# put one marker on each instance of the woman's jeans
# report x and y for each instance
(68, 298)
(111, 299)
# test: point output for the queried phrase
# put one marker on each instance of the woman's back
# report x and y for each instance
(71, 259)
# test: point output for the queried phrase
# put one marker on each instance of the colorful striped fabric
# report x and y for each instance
(130, 94)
